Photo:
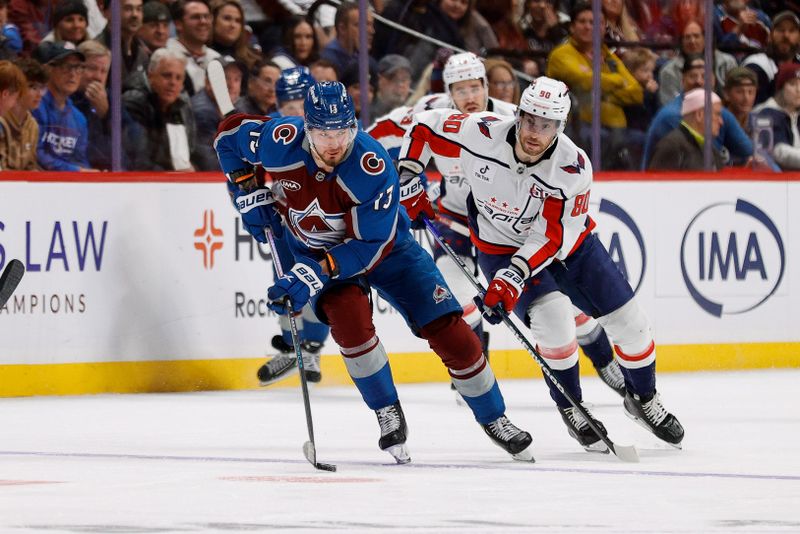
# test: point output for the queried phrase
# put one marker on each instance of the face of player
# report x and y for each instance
(292, 108)
(469, 96)
(535, 134)
(331, 145)
(227, 25)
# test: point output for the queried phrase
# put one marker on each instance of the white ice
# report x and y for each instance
(232, 461)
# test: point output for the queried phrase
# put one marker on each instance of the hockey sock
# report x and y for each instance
(641, 381)
(597, 347)
(569, 379)
(488, 406)
(377, 389)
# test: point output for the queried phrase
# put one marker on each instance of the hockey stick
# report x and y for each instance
(309, 449)
(216, 77)
(626, 453)
(9, 280)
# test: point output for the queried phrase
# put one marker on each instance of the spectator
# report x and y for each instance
(207, 115)
(503, 83)
(343, 50)
(155, 25)
(64, 134)
(736, 25)
(351, 81)
(641, 62)
(501, 16)
(163, 114)
(135, 54)
(10, 39)
(12, 87)
(620, 26)
(324, 71)
(782, 110)
(476, 32)
(682, 148)
(300, 45)
(545, 27)
(19, 132)
(784, 47)
(394, 85)
(740, 96)
(92, 100)
(30, 16)
(731, 135)
(229, 37)
(571, 62)
(193, 26)
(70, 21)
(692, 42)
(260, 97)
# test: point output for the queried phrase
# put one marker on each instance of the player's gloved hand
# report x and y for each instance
(257, 208)
(504, 290)
(301, 283)
(415, 200)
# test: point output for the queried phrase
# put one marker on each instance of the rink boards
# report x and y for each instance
(149, 283)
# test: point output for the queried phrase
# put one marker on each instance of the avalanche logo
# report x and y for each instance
(440, 294)
(732, 258)
(576, 167)
(484, 123)
(372, 164)
(316, 228)
(285, 133)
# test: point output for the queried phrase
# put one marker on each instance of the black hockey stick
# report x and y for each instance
(626, 453)
(9, 280)
(309, 449)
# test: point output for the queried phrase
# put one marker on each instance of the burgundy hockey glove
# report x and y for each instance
(505, 288)
(416, 202)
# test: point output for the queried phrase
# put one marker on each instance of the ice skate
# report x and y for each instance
(281, 366)
(393, 432)
(579, 428)
(651, 414)
(511, 439)
(311, 368)
(611, 375)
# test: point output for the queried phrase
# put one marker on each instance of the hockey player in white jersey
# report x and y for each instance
(528, 205)
(466, 87)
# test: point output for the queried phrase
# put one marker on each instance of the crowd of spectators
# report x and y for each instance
(55, 60)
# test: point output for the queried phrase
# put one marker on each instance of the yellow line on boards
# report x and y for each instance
(223, 374)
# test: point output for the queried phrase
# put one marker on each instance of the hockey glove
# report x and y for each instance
(416, 202)
(257, 208)
(301, 283)
(504, 289)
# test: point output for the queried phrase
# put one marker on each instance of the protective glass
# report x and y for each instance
(331, 139)
(539, 125)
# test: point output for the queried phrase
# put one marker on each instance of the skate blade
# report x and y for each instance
(400, 453)
(644, 425)
(598, 447)
(525, 455)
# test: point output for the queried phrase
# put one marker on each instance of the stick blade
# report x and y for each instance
(10, 279)
(626, 453)
(310, 453)
(216, 77)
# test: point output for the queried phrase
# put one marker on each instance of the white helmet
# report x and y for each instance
(548, 98)
(462, 67)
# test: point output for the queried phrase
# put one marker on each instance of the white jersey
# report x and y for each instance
(537, 212)
(389, 131)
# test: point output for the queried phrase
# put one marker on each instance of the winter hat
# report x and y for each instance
(786, 72)
(65, 8)
(695, 100)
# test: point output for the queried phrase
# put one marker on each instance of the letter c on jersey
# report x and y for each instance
(285, 133)
(372, 164)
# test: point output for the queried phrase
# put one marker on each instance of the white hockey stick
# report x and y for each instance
(10, 279)
(626, 453)
(216, 77)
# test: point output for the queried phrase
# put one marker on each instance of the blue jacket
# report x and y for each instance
(63, 136)
(731, 135)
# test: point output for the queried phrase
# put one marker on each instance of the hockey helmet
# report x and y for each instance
(547, 98)
(462, 67)
(293, 84)
(329, 107)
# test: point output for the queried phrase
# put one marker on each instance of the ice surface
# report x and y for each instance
(232, 462)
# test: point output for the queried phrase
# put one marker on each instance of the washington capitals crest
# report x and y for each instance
(484, 123)
(576, 167)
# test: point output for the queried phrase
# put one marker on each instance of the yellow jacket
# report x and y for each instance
(619, 87)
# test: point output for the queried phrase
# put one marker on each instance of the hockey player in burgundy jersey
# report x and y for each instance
(528, 219)
(337, 199)
(467, 92)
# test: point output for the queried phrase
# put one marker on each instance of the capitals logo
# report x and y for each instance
(372, 164)
(316, 228)
(440, 294)
(484, 123)
(577, 166)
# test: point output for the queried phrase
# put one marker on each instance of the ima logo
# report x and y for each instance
(290, 185)
(623, 240)
(208, 239)
(732, 257)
